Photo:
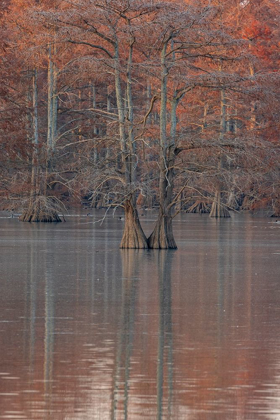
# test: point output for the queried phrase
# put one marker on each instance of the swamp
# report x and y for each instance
(91, 331)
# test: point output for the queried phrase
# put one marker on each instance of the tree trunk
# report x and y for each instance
(35, 170)
(40, 207)
(133, 235)
(200, 206)
(218, 209)
(52, 102)
(162, 235)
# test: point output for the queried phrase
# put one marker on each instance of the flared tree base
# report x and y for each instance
(162, 235)
(218, 210)
(42, 209)
(133, 235)
(199, 207)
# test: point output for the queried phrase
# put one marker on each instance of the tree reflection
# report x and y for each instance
(31, 300)
(131, 262)
(49, 334)
(165, 330)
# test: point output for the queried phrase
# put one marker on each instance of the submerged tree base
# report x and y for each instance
(162, 235)
(218, 209)
(133, 235)
(42, 209)
(199, 207)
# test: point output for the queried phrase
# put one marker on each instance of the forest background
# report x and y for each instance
(172, 105)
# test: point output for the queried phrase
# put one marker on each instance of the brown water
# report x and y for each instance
(91, 332)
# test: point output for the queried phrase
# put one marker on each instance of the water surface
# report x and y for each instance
(88, 331)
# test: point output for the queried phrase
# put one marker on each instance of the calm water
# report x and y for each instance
(91, 332)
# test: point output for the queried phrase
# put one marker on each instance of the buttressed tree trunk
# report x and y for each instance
(218, 210)
(162, 236)
(42, 208)
(133, 235)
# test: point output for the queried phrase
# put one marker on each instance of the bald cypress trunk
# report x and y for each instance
(162, 236)
(42, 208)
(218, 209)
(34, 181)
(52, 104)
(133, 235)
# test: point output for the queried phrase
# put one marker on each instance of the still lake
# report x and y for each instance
(91, 332)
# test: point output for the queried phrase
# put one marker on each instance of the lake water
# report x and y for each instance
(88, 331)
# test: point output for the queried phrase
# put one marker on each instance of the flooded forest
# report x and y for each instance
(136, 105)
(139, 209)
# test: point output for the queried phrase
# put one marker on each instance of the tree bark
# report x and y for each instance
(40, 207)
(52, 101)
(217, 209)
(133, 235)
(162, 236)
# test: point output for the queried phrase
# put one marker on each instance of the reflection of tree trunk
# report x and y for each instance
(49, 338)
(31, 301)
(131, 261)
(165, 340)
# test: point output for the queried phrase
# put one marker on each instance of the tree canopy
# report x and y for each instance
(124, 103)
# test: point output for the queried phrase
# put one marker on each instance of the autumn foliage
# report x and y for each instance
(97, 98)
